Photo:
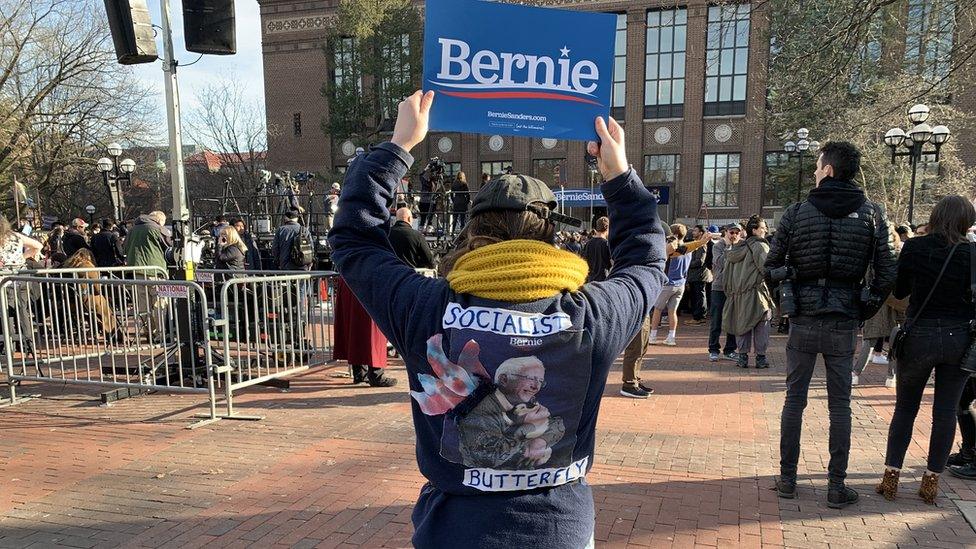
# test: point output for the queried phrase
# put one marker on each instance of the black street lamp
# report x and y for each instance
(914, 143)
(91, 214)
(114, 173)
(799, 149)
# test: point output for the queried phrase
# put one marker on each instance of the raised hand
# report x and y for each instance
(611, 156)
(413, 115)
(453, 382)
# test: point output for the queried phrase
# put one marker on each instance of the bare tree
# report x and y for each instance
(850, 69)
(229, 122)
(62, 97)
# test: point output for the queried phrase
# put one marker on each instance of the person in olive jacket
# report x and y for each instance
(749, 304)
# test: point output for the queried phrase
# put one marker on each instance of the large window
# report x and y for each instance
(661, 169)
(720, 181)
(548, 170)
(726, 59)
(396, 73)
(866, 65)
(619, 90)
(451, 169)
(494, 169)
(664, 65)
(928, 38)
(344, 73)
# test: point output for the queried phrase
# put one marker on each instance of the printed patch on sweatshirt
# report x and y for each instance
(504, 322)
(511, 397)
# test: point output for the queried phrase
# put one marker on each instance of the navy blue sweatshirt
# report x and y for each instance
(505, 395)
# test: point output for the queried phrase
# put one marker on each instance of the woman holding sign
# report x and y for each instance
(508, 355)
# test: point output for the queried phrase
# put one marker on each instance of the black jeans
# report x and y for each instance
(697, 295)
(967, 423)
(715, 333)
(931, 345)
(835, 340)
(426, 214)
(460, 220)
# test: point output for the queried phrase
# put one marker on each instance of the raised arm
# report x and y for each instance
(390, 290)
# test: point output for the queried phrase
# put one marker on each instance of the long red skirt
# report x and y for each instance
(357, 338)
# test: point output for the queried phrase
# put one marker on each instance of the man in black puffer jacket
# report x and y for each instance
(826, 244)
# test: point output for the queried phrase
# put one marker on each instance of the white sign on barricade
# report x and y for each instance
(173, 291)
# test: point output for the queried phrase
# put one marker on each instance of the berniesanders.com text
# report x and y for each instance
(517, 116)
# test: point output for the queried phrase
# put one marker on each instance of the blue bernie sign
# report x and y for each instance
(517, 70)
(574, 198)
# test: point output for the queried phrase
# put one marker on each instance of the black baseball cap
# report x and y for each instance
(512, 192)
(519, 192)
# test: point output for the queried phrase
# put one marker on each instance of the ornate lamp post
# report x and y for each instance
(914, 142)
(114, 173)
(798, 149)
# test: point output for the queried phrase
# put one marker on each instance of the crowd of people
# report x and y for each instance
(484, 344)
(504, 428)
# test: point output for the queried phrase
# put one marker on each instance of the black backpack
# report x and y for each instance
(302, 252)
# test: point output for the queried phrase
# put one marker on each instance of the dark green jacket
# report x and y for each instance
(146, 244)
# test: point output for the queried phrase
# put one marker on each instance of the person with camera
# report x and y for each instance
(511, 336)
(819, 256)
(936, 271)
(730, 236)
(431, 183)
(699, 277)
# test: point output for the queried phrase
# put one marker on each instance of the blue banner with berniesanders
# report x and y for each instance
(517, 70)
(574, 198)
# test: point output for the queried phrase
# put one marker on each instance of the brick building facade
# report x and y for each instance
(690, 79)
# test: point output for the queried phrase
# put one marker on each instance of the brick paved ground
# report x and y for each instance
(333, 466)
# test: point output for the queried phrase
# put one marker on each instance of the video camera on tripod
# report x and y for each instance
(304, 177)
(436, 167)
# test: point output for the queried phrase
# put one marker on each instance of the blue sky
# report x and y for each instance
(244, 65)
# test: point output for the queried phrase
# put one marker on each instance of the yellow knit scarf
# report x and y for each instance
(517, 271)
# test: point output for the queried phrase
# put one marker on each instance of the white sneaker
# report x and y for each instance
(855, 379)
(670, 342)
(879, 359)
(890, 382)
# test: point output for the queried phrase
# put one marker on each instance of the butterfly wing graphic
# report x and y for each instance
(453, 382)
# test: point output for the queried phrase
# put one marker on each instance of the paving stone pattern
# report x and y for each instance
(333, 466)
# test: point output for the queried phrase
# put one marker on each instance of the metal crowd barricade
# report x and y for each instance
(77, 328)
(146, 271)
(271, 326)
(227, 332)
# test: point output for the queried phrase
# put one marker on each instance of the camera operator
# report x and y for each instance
(820, 255)
(431, 183)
